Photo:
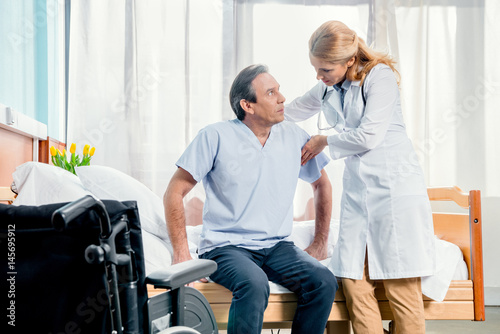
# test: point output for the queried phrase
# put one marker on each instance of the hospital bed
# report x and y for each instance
(464, 299)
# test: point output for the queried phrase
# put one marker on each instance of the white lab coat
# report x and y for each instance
(385, 210)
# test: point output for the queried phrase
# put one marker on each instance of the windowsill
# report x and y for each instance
(19, 123)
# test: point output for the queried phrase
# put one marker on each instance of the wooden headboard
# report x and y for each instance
(16, 149)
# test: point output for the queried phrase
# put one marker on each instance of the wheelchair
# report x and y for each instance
(79, 268)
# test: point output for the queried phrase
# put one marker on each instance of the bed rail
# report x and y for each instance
(6, 195)
(470, 242)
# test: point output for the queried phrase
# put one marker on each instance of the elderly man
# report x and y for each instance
(249, 167)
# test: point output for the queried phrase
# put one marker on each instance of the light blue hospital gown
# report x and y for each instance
(249, 187)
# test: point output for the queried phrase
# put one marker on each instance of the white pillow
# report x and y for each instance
(39, 183)
(157, 253)
(109, 183)
(448, 256)
(303, 234)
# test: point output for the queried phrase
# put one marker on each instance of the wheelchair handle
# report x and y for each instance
(64, 216)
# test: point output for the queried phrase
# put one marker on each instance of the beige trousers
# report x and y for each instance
(405, 300)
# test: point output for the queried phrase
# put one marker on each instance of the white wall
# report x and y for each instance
(491, 249)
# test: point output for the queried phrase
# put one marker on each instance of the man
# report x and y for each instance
(250, 167)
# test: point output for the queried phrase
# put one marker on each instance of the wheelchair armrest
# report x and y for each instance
(181, 274)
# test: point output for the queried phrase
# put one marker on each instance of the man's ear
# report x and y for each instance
(247, 106)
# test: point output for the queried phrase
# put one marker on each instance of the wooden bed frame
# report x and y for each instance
(464, 300)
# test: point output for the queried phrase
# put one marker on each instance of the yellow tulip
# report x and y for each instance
(64, 153)
(86, 149)
(73, 148)
(92, 150)
(59, 152)
(53, 151)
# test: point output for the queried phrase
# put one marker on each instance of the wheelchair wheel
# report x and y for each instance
(179, 330)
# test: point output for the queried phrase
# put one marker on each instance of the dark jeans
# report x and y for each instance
(246, 274)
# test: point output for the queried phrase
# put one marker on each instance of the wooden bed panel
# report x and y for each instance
(15, 149)
(283, 311)
(454, 228)
(459, 291)
(44, 149)
(454, 194)
(6, 195)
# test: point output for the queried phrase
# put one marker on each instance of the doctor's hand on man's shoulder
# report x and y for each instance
(313, 147)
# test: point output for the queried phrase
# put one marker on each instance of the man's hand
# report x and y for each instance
(313, 147)
(181, 183)
(178, 258)
(317, 250)
(186, 257)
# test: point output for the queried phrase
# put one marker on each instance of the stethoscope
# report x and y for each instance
(326, 104)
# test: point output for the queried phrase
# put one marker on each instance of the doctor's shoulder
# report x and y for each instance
(380, 72)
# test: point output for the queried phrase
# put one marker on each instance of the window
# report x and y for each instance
(32, 61)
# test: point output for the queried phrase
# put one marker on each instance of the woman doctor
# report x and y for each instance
(386, 230)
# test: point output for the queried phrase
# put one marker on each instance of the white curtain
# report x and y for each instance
(145, 76)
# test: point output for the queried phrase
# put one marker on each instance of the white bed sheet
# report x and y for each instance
(449, 258)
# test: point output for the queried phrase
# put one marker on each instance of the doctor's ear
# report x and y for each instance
(246, 105)
(350, 62)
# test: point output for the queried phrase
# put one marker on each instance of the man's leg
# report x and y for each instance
(407, 305)
(239, 271)
(314, 284)
(362, 304)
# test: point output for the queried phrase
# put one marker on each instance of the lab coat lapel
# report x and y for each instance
(347, 99)
(335, 116)
(350, 110)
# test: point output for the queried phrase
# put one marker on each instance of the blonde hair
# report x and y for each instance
(334, 42)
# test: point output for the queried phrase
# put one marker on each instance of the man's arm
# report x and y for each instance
(180, 185)
(322, 189)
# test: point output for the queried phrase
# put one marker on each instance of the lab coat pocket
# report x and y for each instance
(353, 113)
(408, 180)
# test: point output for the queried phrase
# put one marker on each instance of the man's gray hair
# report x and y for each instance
(242, 88)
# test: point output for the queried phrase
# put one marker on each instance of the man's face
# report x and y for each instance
(269, 108)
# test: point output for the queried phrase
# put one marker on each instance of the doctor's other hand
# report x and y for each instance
(313, 147)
